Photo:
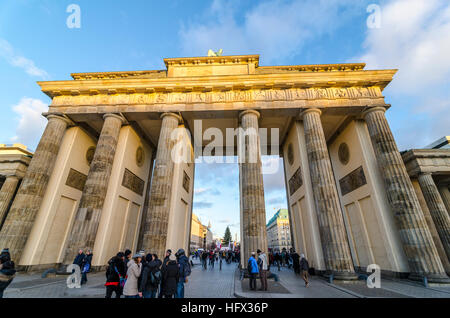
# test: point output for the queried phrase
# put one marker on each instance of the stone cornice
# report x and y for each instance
(426, 161)
(118, 75)
(379, 78)
(212, 60)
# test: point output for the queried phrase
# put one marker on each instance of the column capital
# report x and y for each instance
(249, 111)
(12, 176)
(116, 115)
(60, 116)
(310, 110)
(371, 110)
(178, 117)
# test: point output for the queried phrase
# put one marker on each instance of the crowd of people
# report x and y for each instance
(259, 265)
(146, 276)
(210, 257)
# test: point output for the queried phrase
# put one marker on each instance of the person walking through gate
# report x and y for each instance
(130, 290)
(263, 267)
(115, 275)
(295, 261)
(204, 257)
(304, 267)
(252, 267)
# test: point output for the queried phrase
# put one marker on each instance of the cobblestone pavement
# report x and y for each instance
(225, 283)
(209, 283)
(212, 282)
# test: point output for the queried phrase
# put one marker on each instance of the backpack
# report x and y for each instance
(155, 278)
(186, 269)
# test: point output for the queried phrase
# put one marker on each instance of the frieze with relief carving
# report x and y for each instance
(219, 96)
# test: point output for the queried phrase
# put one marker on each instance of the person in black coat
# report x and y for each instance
(7, 271)
(171, 276)
(79, 259)
(295, 261)
(149, 287)
(115, 272)
(163, 266)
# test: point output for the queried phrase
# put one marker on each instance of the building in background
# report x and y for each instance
(201, 235)
(278, 231)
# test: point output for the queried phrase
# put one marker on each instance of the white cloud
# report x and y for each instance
(277, 29)
(15, 59)
(31, 122)
(415, 38)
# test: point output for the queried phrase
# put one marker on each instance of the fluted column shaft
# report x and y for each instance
(6, 194)
(157, 218)
(335, 245)
(87, 218)
(437, 209)
(445, 195)
(252, 187)
(21, 216)
(417, 241)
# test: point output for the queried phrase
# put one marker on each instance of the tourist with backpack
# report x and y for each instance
(115, 275)
(184, 272)
(151, 276)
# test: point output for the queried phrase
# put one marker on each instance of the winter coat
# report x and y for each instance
(264, 264)
(171, 277)
(252, 266)
(304, 266)
(112, 276)
(133, 273)
(183, 261)
(146, 280)
(7, 274)
(79, 259)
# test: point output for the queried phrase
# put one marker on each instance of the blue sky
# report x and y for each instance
(414, 36)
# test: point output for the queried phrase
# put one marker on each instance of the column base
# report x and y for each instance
(341, 276)
(433, 278)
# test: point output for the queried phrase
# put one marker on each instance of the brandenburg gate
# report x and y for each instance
(103, 177)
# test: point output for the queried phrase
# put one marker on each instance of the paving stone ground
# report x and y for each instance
(226, 283)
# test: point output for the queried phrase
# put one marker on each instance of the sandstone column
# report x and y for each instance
(437, 209)
(336, 250)
(27, 202)
(6, 194)
(156, 222)
(87, 218)
(252, 187)
(417, 242)
(445, 195)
